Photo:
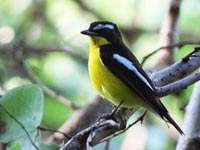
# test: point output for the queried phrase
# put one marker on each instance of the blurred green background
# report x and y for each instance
(41, 25)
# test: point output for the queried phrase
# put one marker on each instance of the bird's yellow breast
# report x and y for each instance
(105, 82)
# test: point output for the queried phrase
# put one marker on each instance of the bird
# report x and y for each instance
(116, 73)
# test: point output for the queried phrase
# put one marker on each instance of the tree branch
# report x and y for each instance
(179, 45)
(178, 85)
(77, 121)
(177, 71)
(31, 50)
(191, 123)
(46, 90)
(168, 33)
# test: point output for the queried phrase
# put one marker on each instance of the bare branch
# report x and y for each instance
(46, 90)
(178, 85)
(100, 130)
(30, 50)
(191, 123)
(179, 45)
(176, 71)
(81, 119)
(168, 33)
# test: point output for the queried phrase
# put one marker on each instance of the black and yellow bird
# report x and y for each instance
(116, 73)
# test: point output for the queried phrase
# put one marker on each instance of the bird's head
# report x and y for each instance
(103, 29)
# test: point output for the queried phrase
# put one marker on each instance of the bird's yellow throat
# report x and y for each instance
(98, 41)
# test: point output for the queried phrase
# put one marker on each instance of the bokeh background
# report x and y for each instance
(48, 32)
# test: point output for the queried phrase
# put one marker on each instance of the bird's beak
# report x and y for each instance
(89, 33)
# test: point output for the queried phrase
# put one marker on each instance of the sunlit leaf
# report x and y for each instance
(22, 105)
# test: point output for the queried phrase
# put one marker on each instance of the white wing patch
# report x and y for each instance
(103, 26)
(128, 64)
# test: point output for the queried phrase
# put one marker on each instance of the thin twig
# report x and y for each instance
(107, 143)
(52, 130)
(179, 70)
(45, 89)
(140, 118)
(191, 54)
(28, 50)
(49, 91)
(179, 45)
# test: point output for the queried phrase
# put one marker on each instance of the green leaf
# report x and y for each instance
(25, 104)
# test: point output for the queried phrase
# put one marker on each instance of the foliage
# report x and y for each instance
(21, 111)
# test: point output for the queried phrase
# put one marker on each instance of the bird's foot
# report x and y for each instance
(110, 115)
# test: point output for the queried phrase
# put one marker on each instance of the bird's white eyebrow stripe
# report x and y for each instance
(102, 26)
(129, 65)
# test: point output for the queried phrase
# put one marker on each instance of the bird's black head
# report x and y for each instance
(103, 29)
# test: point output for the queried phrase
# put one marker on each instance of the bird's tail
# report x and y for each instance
(171, 121)
(162, 111)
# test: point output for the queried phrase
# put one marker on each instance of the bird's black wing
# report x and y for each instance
(120, 63)
(123, 64)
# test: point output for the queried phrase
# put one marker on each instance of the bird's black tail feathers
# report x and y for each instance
(162, 111)
(171, 121)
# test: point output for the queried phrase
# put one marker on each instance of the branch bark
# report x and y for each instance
(81, 119)
(26, 71)
(28, 50)
(191, 123)
(168, 33)
(177, 71)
